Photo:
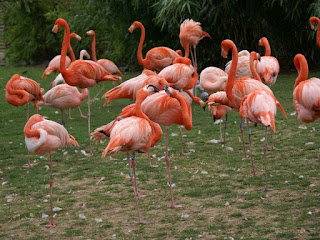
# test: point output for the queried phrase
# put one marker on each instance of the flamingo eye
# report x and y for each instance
(273, 74)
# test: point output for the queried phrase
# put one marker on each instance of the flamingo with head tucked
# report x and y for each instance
(45, 136)
(81, 73)
(156, 58)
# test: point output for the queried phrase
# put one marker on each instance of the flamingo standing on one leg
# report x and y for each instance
(107, 64)
(81, 73)
(190, 35)
(313, 21)
(20, 91)
(133, 134)
(54, 64)
(45, 136)
(156, 58)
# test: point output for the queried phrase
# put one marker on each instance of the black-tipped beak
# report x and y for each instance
(204, 107)
(214, 118)
(166, 89)
(154, 87)
(103, 132)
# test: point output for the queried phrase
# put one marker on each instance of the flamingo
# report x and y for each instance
(45, 136)
(306, 99)
(81, 73)
(20, 91)
(236, 90)
(129, 88)
(260, 107)
(54, 64)
(64, 96)
(268, 67)
(134, 133)
(107, 64)
(190, 35)
(313, 21)
(181, 75)
(213, 79)
(156, 58)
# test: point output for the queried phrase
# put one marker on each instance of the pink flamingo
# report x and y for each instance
(20, 91)
(81, 73)
(190, 35)
(45, 136)
(54, 64)
(313, 21)
(306, 99)
(213, 79)
(156, 58)
(129, 88)
(260, 107)
(107, 64)
(134, 133)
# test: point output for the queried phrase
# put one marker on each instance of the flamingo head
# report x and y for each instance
(58, 24)
(90, 33)
(225, 47)
(312, 21)
(134, 25)
(74, 35)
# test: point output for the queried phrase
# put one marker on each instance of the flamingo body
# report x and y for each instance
(213, 79)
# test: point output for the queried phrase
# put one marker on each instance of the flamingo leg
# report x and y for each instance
(242, 137)
(99, 92)
(271, 133)
(181, 145)
(195, 58)
(81, 113)
(133, 176)
(250, 144)
(51, 224)
(70, 118)
(265, 160)
(220, 140)
(168, 168)
(62, 118)
(89, 132)
(27, 111)
(135, 189)
(224, 135)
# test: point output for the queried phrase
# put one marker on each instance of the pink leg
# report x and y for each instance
(242, 137)
(250, 144)
(98, 92)
(133, 176)
(51, 224)
(89, 132)
(135, 189)
(271, 133)
(69, 117)
(81, 115)
(265, 160)
(181, 146)
(168, 168)
(224, 135)
(62, 118)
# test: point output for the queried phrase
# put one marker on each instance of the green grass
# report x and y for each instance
(226, 202)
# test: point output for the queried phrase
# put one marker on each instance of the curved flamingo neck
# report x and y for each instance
(32, 132)
(65, 43)
(265, 43)
(254, 56)
(314, 20)
(226, 45)
(84, 93)
(24, 95)
(93, 46)
(185, 111)
(142, 37)
(301, 65)
(186, 51)
(73, 57)
(141, 96)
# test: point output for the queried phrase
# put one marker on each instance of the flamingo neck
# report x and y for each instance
(84, 93)
(142, 37)
(186, 51)
(232, 72)
(314, 20)
(93, 47)
(185, 110)
(141, 96)
(23, 96)
(32, 132)
(65, 44)
(265, 43)
(302, 67)
(253, 70)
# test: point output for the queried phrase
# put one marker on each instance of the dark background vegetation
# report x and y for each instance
(285, 23)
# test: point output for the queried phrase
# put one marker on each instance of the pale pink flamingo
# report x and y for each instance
(54, 64)
(130, 87)
(20, 91)
(236, 90)
(260, 107)
(313, 21)
(45, 136)
(306, 99)
(213, 79)
(106, 63)
(81, 73)
(190, 35)
(166, 110)
(133, 134)
(181, 75)
(156, 58)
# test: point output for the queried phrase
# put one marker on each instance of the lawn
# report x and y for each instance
(219, 196)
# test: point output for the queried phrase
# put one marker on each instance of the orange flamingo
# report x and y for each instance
(156, 58)
(54, 64)
(129, 88)
(133, 134)
(190, 35)
(107, 64)
(45, 136)
(260, 107)
(313, 21)
(306, 99)
(236, 90)
(81, 73)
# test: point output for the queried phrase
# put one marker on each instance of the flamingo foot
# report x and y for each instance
(173, 206)
(89, 154)
(220, 140)
(70, 118)
(29, 165)
(140, 222)
(84, 116)
(267, 189)
(154, 166)
(140, 195)
(184, 154)
(50, 225)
